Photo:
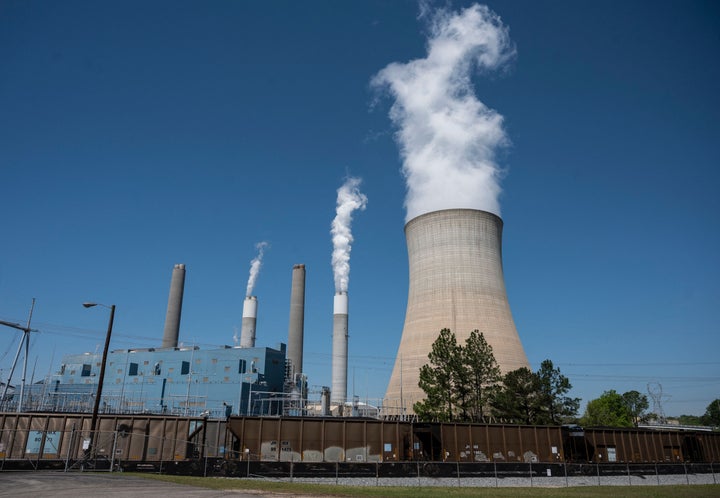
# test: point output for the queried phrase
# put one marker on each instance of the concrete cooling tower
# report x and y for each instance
(456, 282)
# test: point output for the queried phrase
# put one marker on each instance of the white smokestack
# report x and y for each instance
(249, 321)
(255, 265)
(349, 198)
(340, 348)
(448, 137)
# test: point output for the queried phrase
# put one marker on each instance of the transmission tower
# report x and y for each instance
(656, 393)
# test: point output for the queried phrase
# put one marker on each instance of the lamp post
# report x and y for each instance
(101, 377)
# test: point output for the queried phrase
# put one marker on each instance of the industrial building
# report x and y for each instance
(176, 381)
(183, 381)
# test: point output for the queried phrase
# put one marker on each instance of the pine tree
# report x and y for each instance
(482, 375)
(555, 406)
(439, 379)
(519, 398)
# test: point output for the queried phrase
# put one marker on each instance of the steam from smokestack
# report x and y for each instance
(447, 137)
(255, 265)
(349, 198)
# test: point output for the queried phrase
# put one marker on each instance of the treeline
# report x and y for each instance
(463, 383)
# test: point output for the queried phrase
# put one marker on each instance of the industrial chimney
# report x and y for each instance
(297, 321)
(249, 320)
(338, 394)
(456, 282)
(174, 309)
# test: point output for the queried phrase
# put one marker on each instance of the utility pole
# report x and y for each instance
(25, 342)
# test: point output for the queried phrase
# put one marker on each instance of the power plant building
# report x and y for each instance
(179, 381)
(184, 381)
(456, 282)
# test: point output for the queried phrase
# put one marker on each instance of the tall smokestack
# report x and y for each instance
(456, 282)
(297, 320)
(249, 320)
(340, 348)
(174, 309)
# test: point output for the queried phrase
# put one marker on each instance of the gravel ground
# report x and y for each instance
(508, 482)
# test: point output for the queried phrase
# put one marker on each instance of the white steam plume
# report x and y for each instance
(349, 199)
(255, 265)
(447, 137)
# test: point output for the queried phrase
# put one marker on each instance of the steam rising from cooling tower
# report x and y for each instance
(174, 308)
(255, 265)
(349, 199)
(447, 137)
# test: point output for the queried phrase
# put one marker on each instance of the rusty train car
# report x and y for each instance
(64, 438)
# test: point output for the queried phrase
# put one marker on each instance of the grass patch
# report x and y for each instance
(694, 491)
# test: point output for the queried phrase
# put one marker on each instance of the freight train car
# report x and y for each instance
(318, 439)
(44, 437)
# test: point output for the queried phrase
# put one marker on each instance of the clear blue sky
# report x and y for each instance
(137, 135)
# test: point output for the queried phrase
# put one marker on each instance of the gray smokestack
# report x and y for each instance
(174, 309)
(297, 320)
(340, 348)
(249, 320)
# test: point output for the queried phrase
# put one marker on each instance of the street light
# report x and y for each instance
(101, 378)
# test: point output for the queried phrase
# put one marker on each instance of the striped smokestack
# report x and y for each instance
(338, 394)
(174, 309)
(249, 320)
(297, 320)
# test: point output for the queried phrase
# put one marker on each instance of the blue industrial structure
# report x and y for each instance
(186, 381)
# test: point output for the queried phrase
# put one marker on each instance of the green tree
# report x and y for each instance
(482, 375)
(556, 407)
(690, 420)
(439, 378)
(636, 405)
(712, 414)
(608, 410)
(519, 397)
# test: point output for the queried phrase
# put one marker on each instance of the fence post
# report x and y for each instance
(713, 473)
(597, 467)
(418, 472)
(70, 447)
(377, 474)
(657, 475)
(567, 484)
(457, 467)
(495, 471)
(205, 453)
(337, 469)
(531, 479)
(112, 457)
(627, 465)
(687, 477)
